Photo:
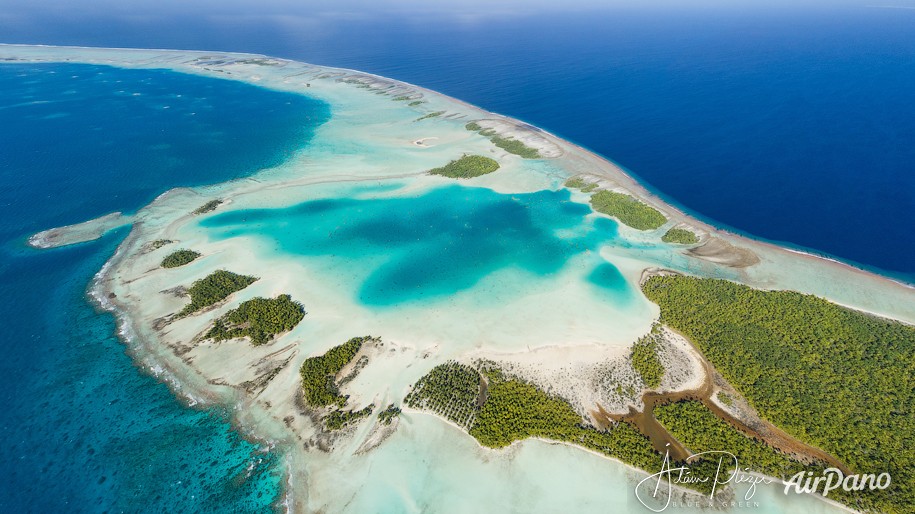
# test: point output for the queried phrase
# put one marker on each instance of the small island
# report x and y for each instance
(208, 207)
(468, 166)
(509, 144)
(214, 288)
(628, 210)
(680, 236)
(258, 319)
(321, 384)
(179, 258)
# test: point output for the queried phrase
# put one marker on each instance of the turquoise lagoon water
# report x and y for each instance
(83, 429)
(441, 242)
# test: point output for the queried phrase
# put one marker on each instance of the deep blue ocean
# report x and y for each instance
(83, 429)
(794, 124)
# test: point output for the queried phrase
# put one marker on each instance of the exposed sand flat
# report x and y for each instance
(721, 252)
(81, 232)
(556, 330)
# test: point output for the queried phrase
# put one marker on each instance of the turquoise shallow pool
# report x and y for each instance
(407, 249)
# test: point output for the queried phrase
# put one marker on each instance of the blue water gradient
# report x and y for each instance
(791, 121)
(421, 248)
(84, 430)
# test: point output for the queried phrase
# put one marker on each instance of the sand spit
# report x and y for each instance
(81, 232)
(557, 333)
(721, 252)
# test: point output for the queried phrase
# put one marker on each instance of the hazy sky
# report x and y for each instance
(265, 24)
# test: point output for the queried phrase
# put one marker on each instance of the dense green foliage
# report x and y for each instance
(628, 210)
(338, 419)
(450, 390)
(386, 416)
(515, 147)
(401, 98)
(680, 236)
(700, 430)
(579, 183)
(208, 207)
(258, 318)
(512, 410)
(830, 376)
(213, 288)
(516, 410)
(179, 258)
(576, 183)
(319, 374)
(645, 360)
(468, 166)
(414, 103)
(430, 115)
(508, 144)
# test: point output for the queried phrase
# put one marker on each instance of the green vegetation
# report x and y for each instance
(258, 318)
(578, 183)
(321, 387)
(468, 166)
(213, 288)
(700, 430)
(386, 416)
(340, 418)
(645, 360)
(208, 207)
(508, 144)
(401, 98)
(515, 147)
(516, 410)
(430, 115)
(832, 377)
(179, 258)
(628, 210)
(449, 390)
(319, 374)
(414, 103)
(159, 243)
(680, 236)
(501, 410)
(726, 399)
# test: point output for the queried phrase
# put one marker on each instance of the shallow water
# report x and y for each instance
(419, 248)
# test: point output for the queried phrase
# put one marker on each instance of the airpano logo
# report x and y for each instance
(833, 478)
(713, 470)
